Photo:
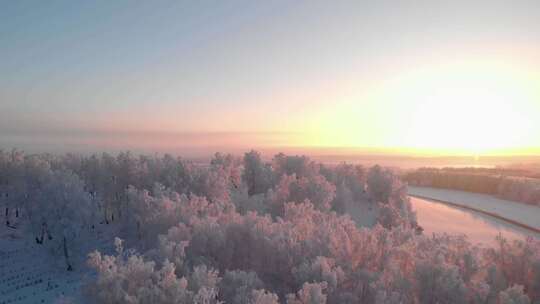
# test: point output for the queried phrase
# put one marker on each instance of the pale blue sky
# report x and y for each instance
(99, 67)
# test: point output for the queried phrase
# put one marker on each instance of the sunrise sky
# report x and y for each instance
(452, 77)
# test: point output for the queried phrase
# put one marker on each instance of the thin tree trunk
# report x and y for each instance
(39, 239)
(105, 220)
(66, 256)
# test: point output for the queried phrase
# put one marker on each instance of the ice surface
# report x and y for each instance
(522, 213)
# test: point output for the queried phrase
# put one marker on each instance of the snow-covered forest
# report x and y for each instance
(243, 230)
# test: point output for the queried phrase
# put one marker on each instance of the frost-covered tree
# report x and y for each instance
(311, 293)
(439, 283)
(63, 211)
(231, 165)
(257, 175)
(128, 278)
(350, 183)
(514, 295)
(379, 184)
(13, 186)
(321, 269)
(237, 287)
(147, 215)
(315, 189)
(263, 297)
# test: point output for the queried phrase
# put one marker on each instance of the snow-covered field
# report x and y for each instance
(518, 212)
(28, 275)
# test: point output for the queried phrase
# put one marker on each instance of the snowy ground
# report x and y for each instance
(29, 274)
(518, 212)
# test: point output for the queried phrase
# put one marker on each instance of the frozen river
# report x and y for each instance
(437, 217)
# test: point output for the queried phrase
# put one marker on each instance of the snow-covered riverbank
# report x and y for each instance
(435, 217)
(517, 212)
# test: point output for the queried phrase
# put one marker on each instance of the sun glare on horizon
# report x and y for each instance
(471, 107)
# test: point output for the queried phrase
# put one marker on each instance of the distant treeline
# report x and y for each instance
(510, 184)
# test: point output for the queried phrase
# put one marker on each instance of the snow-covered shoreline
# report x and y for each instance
(518, 213)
